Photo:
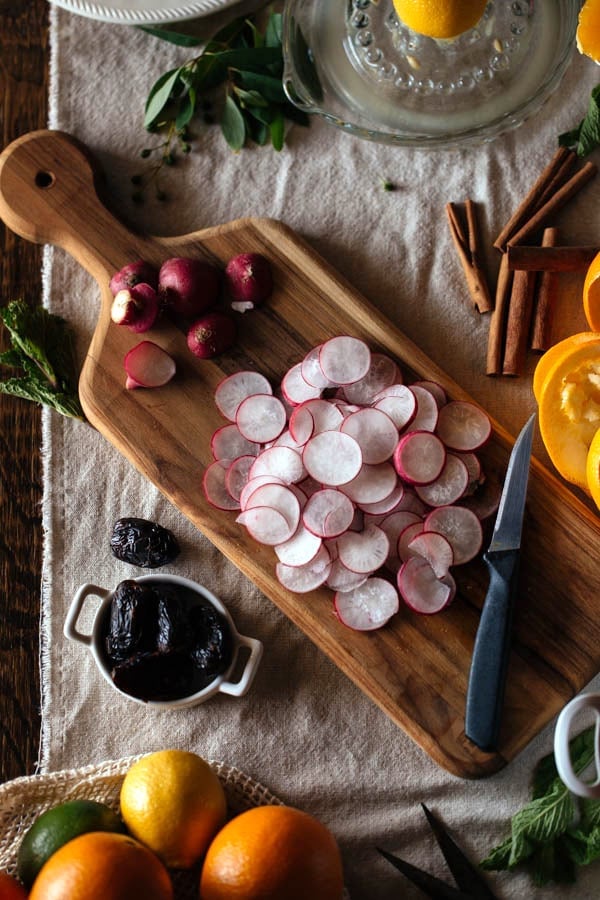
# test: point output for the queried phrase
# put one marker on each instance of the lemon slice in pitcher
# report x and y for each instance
(441, 19)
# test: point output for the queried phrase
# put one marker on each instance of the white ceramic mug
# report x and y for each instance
(220, 684)
(562, 736)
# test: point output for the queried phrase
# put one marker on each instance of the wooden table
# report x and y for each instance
(23, 107)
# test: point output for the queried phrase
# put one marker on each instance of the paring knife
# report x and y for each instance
(485, 693)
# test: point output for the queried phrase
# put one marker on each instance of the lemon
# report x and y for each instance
(440, 18)
(173, 802)
(58, 826)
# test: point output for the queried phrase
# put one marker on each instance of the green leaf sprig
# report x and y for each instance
(554, 833)
(42, 348)
(585, 137)
(235, 82)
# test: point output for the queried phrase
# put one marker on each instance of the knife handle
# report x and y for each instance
(487, 678)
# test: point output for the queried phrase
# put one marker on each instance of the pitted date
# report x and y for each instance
(143, 543)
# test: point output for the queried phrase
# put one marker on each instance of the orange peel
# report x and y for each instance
(588, 30)
(591, 290)
(440, 19)
(556, 353)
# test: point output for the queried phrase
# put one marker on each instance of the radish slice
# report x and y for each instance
(422, 590)
(282, 462)
(382, 373)
(328, 513)
(286, 439)
(332, 458)
(302, 579)
(374, 432)
(461, 527)
(449, 486)
(300, 549)
(296, 389)
(215, 487)
(341, 578)
(311, 369)
(230, 392)
(400, 408)
(405, 537)
(314, 416)
(474, 470)
(372, 484)
(281, 498)
(344, 359)
(228, 443)
(261, 418)
(301, 424)
(419, 457)
(253, 484)
(367, 607)
(387, 505)
(426, 417)
(236, 476)
(363, 551)
(463, 426)
(435, 389)
(412, 503)
(485, 501)
(148, 365)
(435, 548)
(266, 525)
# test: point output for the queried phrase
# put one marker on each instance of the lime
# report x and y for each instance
(58, 825)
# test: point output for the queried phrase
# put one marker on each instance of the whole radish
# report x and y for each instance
(132, 274)
(211, 335)
(136, 308)
(249, 280)
(188, 287)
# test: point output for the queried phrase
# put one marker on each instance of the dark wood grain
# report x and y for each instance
(23, 107)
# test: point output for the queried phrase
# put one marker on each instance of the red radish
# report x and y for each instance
(148, 365)
(435, 548)
(252, 484)
(325, 416)
(296, 389)
(302, 579)
(364, 551)
(463, 426)
(136, 308)
(228, 443)
(282, 462)
(387, 505)
(261, 417)
(311, 371)
(211, 335)
(435, 389)
(236, 476)
(132, 274)
(368, 606)
(406, 537)
(374, 432)
(448, 487)
(249, 280)
(419, 457)
(215, 487)
(399, 403)
(189, 287)
(266, 524)
(382, 373)
(232, 390)
(340, 578)
(300, 549)
(372, 484)
(333, 458)
(344, 359)
(426, 417)
(328, 513)
(461, 527)
(422, 590)
(281, 498)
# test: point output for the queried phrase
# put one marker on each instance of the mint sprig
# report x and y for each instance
(585, 137)
(555, 833)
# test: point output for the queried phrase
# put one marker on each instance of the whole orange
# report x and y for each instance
(273, 853)
(101, 865)
(10, 888)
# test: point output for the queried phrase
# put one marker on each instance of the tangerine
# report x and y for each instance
(102, 865)
(441, 19)
(588, 30)
(10, 888)
(273, 853)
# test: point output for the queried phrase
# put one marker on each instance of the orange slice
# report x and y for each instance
(588, 30)
(591, 286)
(569, 409)
(557, 352)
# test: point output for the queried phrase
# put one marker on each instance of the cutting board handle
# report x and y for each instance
(48, 194)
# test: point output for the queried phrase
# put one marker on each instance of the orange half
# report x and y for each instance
(591, 288)
(557, 352)
(588, 30)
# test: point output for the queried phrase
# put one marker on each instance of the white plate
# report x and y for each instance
(143, 12)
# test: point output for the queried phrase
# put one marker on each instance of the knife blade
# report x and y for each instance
(487, 676)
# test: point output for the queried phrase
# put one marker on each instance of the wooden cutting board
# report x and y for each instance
(416, 668)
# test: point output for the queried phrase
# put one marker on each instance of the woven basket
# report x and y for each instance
(24, 799)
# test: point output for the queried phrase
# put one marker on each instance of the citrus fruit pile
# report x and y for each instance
(566, 385)
(440, 19)
(173, 816)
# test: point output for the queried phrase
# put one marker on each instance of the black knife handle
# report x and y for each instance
(485, 693)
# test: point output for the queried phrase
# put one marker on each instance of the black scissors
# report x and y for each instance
(471, 884)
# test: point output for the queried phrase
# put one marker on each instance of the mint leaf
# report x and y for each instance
(582, 754)
(590, 812)
(498, 858)
(585, 137)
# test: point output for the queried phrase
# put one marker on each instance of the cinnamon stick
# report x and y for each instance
(469, 248)
(544, 300)
(497, 332)
(554, 203)
(549, 258)
(535, 197)
(518, 322)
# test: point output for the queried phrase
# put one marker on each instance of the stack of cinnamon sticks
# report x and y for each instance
(527, 279)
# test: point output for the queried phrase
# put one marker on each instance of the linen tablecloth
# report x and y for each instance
(304, 729)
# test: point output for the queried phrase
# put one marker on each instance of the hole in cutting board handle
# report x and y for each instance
(44, 179)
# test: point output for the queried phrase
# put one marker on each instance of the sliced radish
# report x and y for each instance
(382, 373)
(215, 486)
(228, 442)
(300, 549)
(261, 417)
(266, 525)
(474, 470)
(405, 537)
(301, 424)
(236, 476)
(284, 463)
(419, 457)
(230, 392)
(281, 498)
(426, 417)
(332, 458)
(311, 369)
(148, 365)
(461, 527)
(344, 359)
(435, 548)
(367, 607)
(253, 484)
(301, 579)
(463, 426)
(372, 484)
(412, 503)
(400, 407)
(387, 505)
(286, 439)
(314, 416)
(449, 486)
(328, 513)
(421, 589)
(296, 389)
(435, 389)
(484, 502)
(340, 578)
(374, 432)
(363, 551)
